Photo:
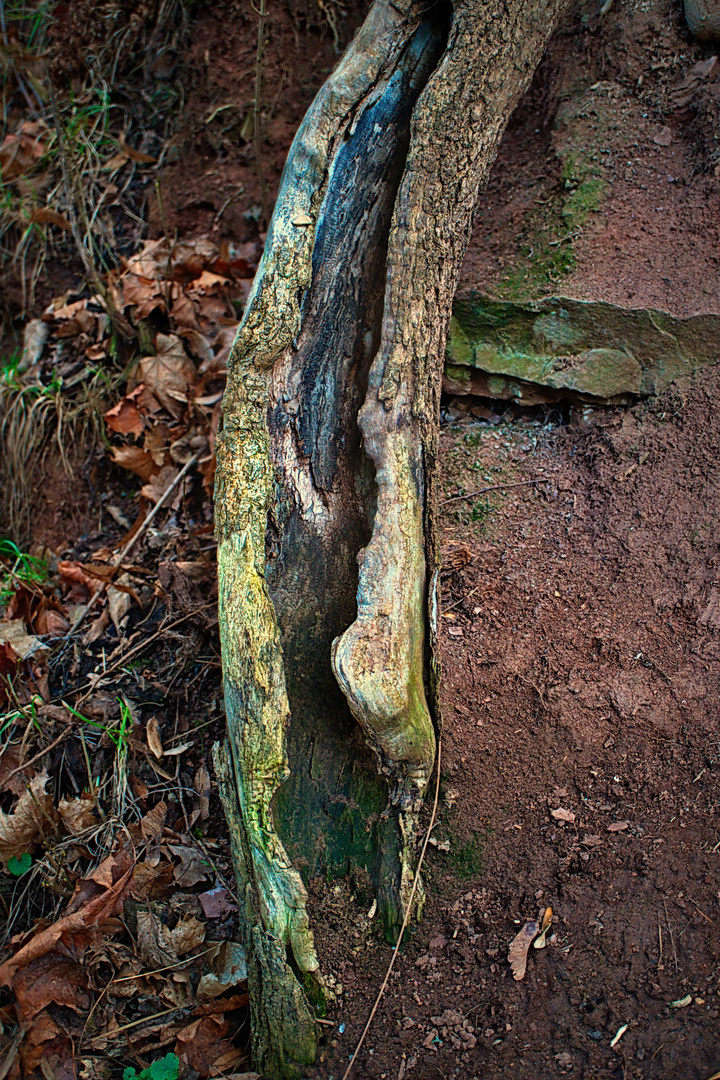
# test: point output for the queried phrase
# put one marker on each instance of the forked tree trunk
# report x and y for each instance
(326, 470)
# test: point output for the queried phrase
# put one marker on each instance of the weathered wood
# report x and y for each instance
(327, 557)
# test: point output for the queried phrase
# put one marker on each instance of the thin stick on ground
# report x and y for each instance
(117, 561)
(406, 918)
(491, 487)
(135, 650)
(672, 936)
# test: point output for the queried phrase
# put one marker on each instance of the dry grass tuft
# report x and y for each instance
(37, 423)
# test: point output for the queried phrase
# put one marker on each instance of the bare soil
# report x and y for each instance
(620, 104)
(582, 668)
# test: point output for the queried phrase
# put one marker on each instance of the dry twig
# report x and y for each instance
(491, 487)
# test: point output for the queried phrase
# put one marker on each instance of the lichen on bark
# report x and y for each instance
(327, 554)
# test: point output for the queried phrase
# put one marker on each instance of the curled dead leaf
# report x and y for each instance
(154, 740)
(518, 949)
(154, 940)
(228, 968)
(193, 868)
(78, 815)
(187, 935)
(151, 825)
(119, 602)
(125, 418)
(158, 484)
(135, 459)
(51, 979)
(204, 1045)
(541, 940)
(24, 645)
(44, 215)
(22, 150)
(21, 829)
(136, 155)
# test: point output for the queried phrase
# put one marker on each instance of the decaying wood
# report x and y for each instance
(324, 502)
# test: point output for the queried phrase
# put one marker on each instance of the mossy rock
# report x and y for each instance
(594, 351)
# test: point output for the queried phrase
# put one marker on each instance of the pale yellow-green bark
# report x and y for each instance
(324, 501)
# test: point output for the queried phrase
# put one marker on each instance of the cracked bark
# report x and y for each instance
(327, 555)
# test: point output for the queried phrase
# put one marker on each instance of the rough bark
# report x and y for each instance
(324, 503)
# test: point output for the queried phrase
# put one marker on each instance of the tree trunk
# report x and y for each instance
(327, 555)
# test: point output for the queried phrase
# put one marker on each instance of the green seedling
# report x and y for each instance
(165, 1068)
(118, 733)
(25, 714)
(21, 569)
(9, 366)
(18, 866)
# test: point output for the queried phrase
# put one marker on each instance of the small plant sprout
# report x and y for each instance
(165, 1068)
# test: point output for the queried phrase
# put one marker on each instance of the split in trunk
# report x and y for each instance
(324, 503)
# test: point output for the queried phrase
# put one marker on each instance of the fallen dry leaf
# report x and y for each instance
(44, 215)
(22, 150)
(151, 825)
(193, 865)
(618, 826)
(21, 829)
(125, 418)
(78, 815)
(169, 374)
(154, 741)
(204, 1046)
(187, 935)
(208, 282)
(119, 602)
(24, 645)
(96, 899)
(202, 788)
(50, 623)
(563, 815)
(154, 940)
(152, 882)
(142, 293)
(44, 1036)
(217, 903)
(518, 949)
(228, 968)
(11, 779)
(50, 979)
(135, 459)
(158, 484)
(35, 336)
(90, 577)
(136, 155)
